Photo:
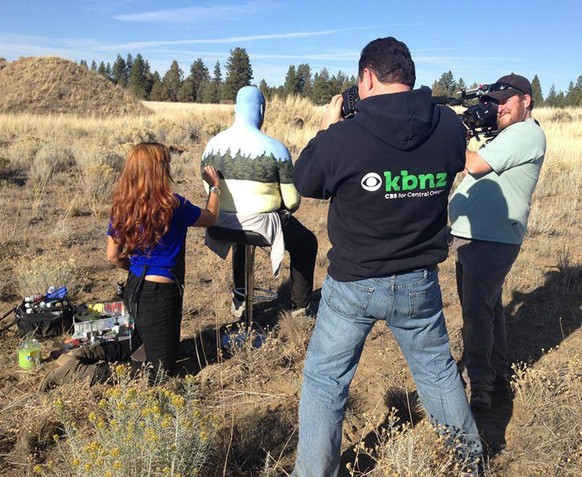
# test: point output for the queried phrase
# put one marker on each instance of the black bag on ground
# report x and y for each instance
(46, 323)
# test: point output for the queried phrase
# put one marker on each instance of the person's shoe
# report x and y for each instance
(237, 306)
(61, 374)
(76, 369)
(481, 400)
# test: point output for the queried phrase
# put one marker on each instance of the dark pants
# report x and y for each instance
(301, 244)
(157, 322)
(481, 270)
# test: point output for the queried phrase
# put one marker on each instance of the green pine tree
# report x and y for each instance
(118, 73)
(212, 89)
(193, 85)
(265, 89)
(137, 81)
(574, 94)
(445, 86)
(339, 83)
(239, 73)
(536, 90)
(304, 84)
(172, 82)
(552, 99)
(321, 93)
(102, 70)
(290, 85)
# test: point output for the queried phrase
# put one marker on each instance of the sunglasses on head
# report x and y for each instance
(504, 86)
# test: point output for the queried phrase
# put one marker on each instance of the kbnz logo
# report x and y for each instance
(405, 182)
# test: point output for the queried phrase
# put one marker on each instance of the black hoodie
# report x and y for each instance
(387, 172)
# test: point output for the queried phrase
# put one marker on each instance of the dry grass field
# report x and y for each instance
(234, 414)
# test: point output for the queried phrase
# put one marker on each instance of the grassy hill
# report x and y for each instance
(55, 85)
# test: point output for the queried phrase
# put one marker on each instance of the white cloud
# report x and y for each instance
(198, 14)
(25, 41)
(215, 41)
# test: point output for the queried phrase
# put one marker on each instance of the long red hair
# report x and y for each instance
(143, 201)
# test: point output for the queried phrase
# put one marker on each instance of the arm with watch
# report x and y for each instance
(209, 215)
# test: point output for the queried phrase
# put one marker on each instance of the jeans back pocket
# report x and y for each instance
(347, 298)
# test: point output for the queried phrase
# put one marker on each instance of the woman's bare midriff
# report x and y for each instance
(158, 279)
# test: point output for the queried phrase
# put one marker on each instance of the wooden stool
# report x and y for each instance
(251, 240)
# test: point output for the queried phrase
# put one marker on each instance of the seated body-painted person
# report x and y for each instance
(258, 194)
(146, 236)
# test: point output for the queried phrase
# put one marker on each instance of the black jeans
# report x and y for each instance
(301, 244)
(157, 321)
(481, 270)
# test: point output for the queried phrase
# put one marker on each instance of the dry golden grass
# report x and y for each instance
(544, 433)
(401, 450)
(57, 172)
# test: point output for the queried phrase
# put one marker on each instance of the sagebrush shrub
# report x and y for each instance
(139, 431)
(36, 274)
(52, 158)
(21, 152)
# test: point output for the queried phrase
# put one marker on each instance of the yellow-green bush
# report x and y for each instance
(36, 274)
(139, 431)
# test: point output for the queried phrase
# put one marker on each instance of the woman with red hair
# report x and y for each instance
(146, 236)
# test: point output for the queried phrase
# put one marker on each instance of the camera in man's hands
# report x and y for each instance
(350, 97)
(480, 118)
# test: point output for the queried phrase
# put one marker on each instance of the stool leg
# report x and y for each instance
(249, 283)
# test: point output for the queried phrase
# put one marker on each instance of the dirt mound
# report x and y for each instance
(55, 85)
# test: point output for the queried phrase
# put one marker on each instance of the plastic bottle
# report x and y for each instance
(29, 354)
(33, 298)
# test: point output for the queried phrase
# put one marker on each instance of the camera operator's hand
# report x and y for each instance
(333, 112)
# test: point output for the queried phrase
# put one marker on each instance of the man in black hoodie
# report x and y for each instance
(387, 172)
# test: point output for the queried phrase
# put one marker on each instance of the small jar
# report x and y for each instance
(29, 354)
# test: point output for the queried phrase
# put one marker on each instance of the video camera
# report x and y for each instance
(479, 118)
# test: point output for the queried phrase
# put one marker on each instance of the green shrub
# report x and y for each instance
(37, 274)
(140, 431)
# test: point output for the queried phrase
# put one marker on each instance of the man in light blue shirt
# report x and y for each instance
(489, 212)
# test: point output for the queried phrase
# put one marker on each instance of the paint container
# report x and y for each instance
(29, 354)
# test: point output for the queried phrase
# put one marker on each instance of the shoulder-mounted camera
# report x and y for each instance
(479, 118)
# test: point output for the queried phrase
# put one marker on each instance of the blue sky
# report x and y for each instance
(477, 41)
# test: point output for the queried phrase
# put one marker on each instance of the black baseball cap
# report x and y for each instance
(506, 87)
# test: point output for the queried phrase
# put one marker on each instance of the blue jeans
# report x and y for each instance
(410, 303)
